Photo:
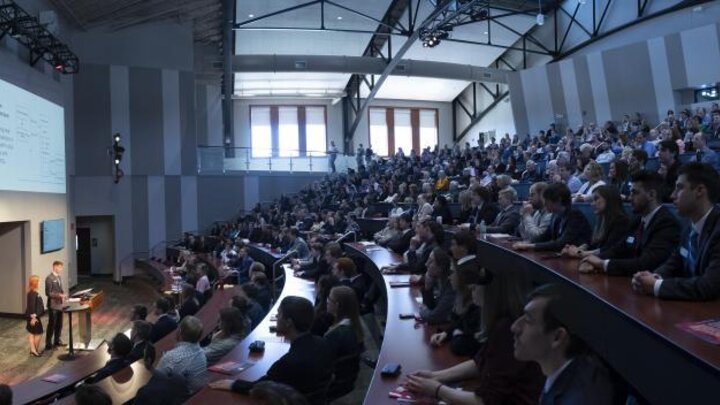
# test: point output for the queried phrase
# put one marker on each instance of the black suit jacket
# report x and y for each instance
(507, 221)
(416, 260)
(112, 366)
(140, 351)
(617, 230)
(487, 213)
(583, 382)
(630, 254)
(190, 307)
(161, 327)
(400, 243)
(705, 283)
(307, 366)
(571, 228)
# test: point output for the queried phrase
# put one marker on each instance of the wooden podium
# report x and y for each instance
(92, 301)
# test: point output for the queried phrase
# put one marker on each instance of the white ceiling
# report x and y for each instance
(299, 42)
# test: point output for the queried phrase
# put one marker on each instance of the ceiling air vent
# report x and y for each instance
(300, 64)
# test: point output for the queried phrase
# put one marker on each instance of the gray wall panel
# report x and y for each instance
(156, 210)
(146, 121)
(171, 121)
(570, 90)
(92, 121)
(582, 76)
(664, 95)
(678, 75)
(701, 55)
(557, 97)
(517, 99)
(140, 213)
(189, 203)
(201, 126)
(219, 198)
(629, 93)
(173, 209)
(188, 140)
(599, 87)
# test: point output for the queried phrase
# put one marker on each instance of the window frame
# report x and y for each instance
(414, 123)
(275, 127)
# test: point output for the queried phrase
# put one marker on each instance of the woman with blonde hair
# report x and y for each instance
(593, 173)
(34, 310)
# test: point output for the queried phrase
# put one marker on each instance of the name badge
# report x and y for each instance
(630, 240)
(684, 252)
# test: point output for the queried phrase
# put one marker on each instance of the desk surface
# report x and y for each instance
(405, 341)
(636, 334)
(275, 347)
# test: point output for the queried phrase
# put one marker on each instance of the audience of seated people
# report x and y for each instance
(475, 306)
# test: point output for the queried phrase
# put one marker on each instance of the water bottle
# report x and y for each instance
(482, 228)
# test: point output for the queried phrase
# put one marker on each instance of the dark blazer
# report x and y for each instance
(140, 351)
(506, 221)
(632, 254)
(705, 283)
(487, 213)
(345, 346)
(307, 366)
(416, 260)
(112, 366)
(616, 231)
(571, 228)
(583, 382)
(439, 304)
(189, 307)
(400, 243)
(162, 390)
(53, 289)
(164, 325)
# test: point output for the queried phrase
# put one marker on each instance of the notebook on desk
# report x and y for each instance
(231, 367)
(707, 330)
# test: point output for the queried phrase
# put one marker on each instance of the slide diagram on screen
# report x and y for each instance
(32, 142)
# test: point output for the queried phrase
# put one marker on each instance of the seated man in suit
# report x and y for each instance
(118, 349)
(187, 358)
(297, 244)
(190, 303)
(655, 232)
(308, 364)
(693, 270)
(540, 336)
(314, 266)
(569, 226)
(401, 243)
(484, 209)
(166, 321)
(508, 219)
(140, 338)
(428, 235)
(346, 271)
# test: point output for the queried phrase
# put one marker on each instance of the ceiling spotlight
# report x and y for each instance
(540, 19)
(251, 15)
(485, 32)
(116, 138)
(582, 1)
(339, 17)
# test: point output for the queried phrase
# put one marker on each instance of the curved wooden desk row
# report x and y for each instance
(275, 347)
(635, 334)
(405, 341)
(123, 385)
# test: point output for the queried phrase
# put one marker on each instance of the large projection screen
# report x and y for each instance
(32, 142)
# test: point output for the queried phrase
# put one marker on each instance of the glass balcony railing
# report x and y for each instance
(227, 160)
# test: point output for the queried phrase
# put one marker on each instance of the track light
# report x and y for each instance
(540, 19)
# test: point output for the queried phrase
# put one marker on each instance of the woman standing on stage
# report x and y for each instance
(34, 311)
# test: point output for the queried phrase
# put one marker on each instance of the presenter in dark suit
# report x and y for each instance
(568, 227)
(308, 364)
(693, 270)
(56, 297)
(652, 236)
(33, 311)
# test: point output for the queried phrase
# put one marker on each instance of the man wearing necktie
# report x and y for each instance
(693, 270)
(56, 297)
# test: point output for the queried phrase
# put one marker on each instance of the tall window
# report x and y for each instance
(403, 131)
(406, 128)
(379, 131)
(315, 131)
(288, 131)
(428, 129)
(261, 132)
